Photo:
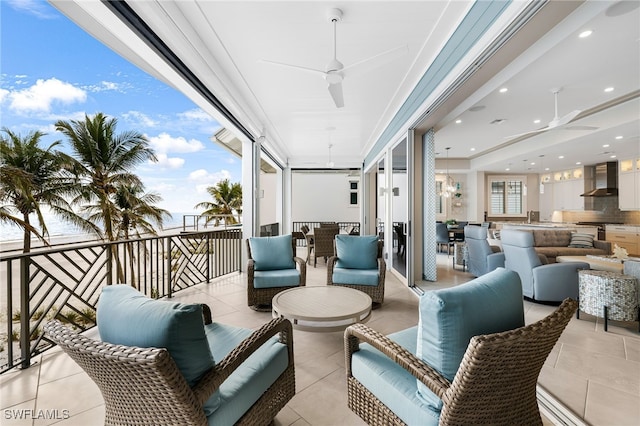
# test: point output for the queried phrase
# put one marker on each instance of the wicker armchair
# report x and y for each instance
(143, 386)
(495, 383)
(376, 292)
(323, 242)
(259, 298)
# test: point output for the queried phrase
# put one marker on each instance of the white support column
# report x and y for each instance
(286, 188)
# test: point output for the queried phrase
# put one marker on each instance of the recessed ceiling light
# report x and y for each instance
(546, 169)
(507, 169)
(473, 149)
(608, 89)
(533, 164)
(578, 162)
(613, 156)
(536, 121)
(503, 90)
(585, 34)
(606, 145)
(561, 157)
(618, 137)
(458, 121)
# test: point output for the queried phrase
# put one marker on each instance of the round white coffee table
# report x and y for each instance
(322, 308)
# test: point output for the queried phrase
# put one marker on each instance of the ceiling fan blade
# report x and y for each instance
(532, 132)
(375, 61)
(297, 67)
(581, 128)
(566, 119)
(336, 93)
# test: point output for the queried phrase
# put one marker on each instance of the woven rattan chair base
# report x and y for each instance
(368, 407)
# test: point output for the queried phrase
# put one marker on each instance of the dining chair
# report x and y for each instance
(309, 240)
(442, 237)
(399, 230)
(323, 243)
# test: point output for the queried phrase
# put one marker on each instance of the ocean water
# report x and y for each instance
(58, 228)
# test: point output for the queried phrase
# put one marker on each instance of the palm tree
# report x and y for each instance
(104, 162)
(30, 177)
(227, 200)
(136, 212)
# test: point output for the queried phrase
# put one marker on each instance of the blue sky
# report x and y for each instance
(51, 70)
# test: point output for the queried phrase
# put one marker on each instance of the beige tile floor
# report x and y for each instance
(595, 374)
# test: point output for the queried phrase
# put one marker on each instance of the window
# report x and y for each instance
(507, 195)
(353, 193)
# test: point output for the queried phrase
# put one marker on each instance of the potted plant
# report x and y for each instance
(451, 223)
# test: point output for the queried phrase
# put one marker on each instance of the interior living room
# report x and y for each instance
(518, 115)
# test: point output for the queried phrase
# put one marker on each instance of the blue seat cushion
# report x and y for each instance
(278, 278)
(449, 318)
(357, 252)
(270, 253)
(127, 317)
(390, 383)
(355, 276)
(250, 380)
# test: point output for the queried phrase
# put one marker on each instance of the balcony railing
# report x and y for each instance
(65, 283)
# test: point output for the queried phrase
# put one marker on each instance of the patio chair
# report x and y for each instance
(159, 363)
(358, 264)
(399, 230)
(271, 268)
(462, 364)
(309, 240)
(323, 243)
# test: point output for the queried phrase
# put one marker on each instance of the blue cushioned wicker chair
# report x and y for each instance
(470, 360)
(483, 257)
(271, 268)
(358, 264)
(160, 363)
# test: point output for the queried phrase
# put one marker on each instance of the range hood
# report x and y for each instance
(606, 180)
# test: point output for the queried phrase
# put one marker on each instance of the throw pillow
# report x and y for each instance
(128, 317)
(357, 252)
(580, 240)
(450, 317)
(271, 253)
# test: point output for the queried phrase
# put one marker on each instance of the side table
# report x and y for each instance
(608, 294)
(460, 255)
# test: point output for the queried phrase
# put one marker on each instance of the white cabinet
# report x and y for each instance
(546, 203)
(629, 184)
(566, 195)
(625, 236)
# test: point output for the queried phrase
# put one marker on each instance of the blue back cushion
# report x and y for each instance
(449, 318)
(269, 253)
(127, 317)
(357, 252)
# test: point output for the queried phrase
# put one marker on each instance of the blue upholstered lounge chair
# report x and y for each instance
(159, 363)
(483, 257)
(271, 268)
(470, 360)
(544, 283)
(358, 264)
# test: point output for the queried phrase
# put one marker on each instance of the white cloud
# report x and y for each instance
(43, 94)
(204, 179)
(164, 143)
(195, 115)
(3, 94)
(105, 86)
(33, 7)
(169, 162)
(139, 118)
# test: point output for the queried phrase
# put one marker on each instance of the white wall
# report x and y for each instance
(319, 197)
(268, 210)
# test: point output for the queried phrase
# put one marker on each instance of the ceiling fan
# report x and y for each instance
(557, 122)
(335, 72)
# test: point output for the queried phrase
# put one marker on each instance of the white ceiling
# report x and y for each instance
(225, 42)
